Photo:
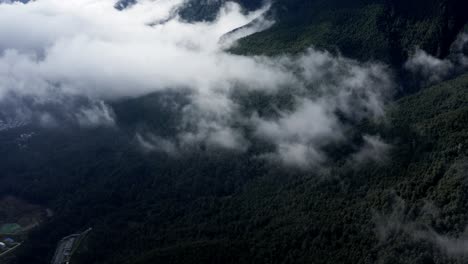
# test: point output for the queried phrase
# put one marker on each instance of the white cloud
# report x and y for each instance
(95, 115)
(432, 69)
(459, 50)
(150, 142)
(401, 221)
(88, 49)
(374, 149)
(334, 86)
(299, 134)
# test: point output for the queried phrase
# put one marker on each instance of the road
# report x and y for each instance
(10, 250)
(64, 249)
(67, 246)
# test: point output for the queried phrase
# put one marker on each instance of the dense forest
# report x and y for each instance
(365, 29)
(220, 206)
(226, 208)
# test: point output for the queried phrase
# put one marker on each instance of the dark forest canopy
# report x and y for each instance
(215, 205)
(372, 29)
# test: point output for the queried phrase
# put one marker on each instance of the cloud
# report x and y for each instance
(400, 220)
(96, 115)
(374, 149)
(90, 48)
(69, 60)
(150, 142)
(334, 88)
(432, 70)
(299, 134)
(459, 50)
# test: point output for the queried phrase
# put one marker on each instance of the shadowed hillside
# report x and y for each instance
(226, 208)
(390, 189)
(372, 29)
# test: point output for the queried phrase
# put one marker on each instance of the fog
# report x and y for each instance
(79, 56)
(431, 70)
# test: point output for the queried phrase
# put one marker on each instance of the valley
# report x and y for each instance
(336, 135)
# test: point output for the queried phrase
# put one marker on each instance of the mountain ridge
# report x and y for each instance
(405, 204)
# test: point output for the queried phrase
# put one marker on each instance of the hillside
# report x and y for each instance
(369, 30)
(390, 188)
(281, 217)
(232, 208)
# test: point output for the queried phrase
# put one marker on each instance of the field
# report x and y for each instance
(10, 228)
(18, 216)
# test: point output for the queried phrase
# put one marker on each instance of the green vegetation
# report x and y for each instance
(232, 208)
(10, 228)
(207, 10)
(368, 30)
(216, 206)
(352, 30)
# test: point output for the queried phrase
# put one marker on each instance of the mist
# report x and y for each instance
(80, 56)
(432, 70)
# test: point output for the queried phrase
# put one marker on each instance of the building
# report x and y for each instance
(64, 249)
(9, 241)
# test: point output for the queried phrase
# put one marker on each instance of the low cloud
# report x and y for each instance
(400, 220)
(82, 55)
(152, 143)
(96, 115)
(334, 89)
(373, 149)
(299, 134)
(432, 70)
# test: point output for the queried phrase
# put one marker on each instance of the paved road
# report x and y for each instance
(10, 250)
(67, 246)
(64, 250)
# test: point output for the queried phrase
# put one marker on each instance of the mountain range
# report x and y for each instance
(389, 188)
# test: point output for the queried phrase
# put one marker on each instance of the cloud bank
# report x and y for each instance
(79, 55)
(401, 221)
(432, 70)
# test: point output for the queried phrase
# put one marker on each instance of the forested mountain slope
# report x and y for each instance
(385, 30)
(410, 210)
(226, 208)
(405, 203)
(364, 29)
